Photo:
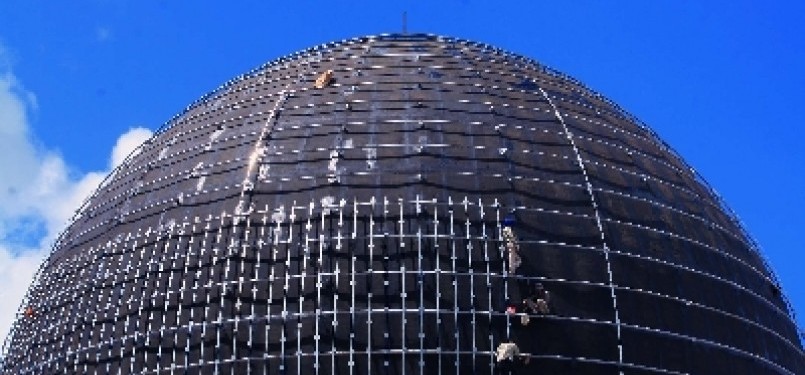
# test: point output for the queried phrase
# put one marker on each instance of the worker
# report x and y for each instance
(324, 79)
(513, 249)
(508, 356)
(507, 351)
(538, 301)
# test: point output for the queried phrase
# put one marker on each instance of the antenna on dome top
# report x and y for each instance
(405, 22)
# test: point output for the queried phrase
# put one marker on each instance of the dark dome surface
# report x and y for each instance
(392, 222)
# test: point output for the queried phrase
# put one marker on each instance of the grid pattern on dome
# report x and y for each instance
(368, 227)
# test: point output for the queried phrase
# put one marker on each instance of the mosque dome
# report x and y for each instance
(404, 204)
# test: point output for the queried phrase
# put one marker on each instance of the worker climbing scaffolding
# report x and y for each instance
(539, 300)
(509, 357)
(324, 80)
(536, 303)
(512, 249)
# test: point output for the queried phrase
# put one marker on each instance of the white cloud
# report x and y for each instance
(38, 194)
(16, 273)
(128, 142)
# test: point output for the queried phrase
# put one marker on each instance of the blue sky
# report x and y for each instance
(82, 82)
